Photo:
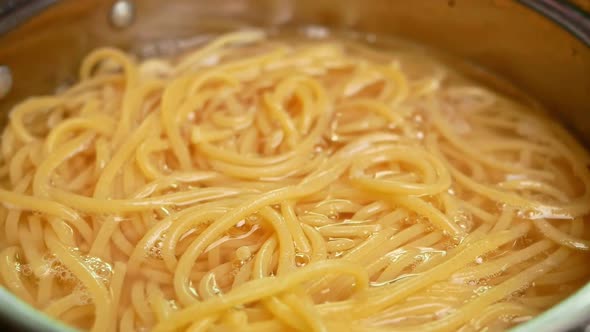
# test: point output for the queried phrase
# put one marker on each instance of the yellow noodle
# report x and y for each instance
(561, 238)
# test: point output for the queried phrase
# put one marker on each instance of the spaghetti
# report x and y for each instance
(266, 184)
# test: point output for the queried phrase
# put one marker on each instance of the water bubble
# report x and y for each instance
(55, 265)
(155, 252)
(443, 312)
(525, 214)
(481, 290)
(26, 270)
(464, 220)
(102, 271)
(236, 264)
(407, 221)
(243, 253)
(48, 257)
(301, 259)
(42, 270)
(252, 218)
(83, 297)
(64, 275)
(501, 206)
(173, 305)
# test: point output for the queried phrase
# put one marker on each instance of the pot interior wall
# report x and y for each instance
(505, 37)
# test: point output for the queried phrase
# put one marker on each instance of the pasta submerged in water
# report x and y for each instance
(257, 184)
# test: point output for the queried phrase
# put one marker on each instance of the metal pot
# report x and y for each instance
(542, 46)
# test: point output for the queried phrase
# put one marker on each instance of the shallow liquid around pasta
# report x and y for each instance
(259, 183)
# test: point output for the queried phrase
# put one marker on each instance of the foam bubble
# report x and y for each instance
(48, 257)
(464, 220)
(482, 289)
(243, 253)
(26, 270)
(155, 250)
(84, 299)
(252, 218)
(101, 270)
(82, 295)
(173, 305)
(301, 259)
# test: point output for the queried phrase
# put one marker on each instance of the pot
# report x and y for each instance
(541, 46)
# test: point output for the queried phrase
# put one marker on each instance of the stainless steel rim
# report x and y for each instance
(568, 16)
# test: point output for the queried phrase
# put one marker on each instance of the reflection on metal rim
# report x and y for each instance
(12, 16)
(568, 16)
